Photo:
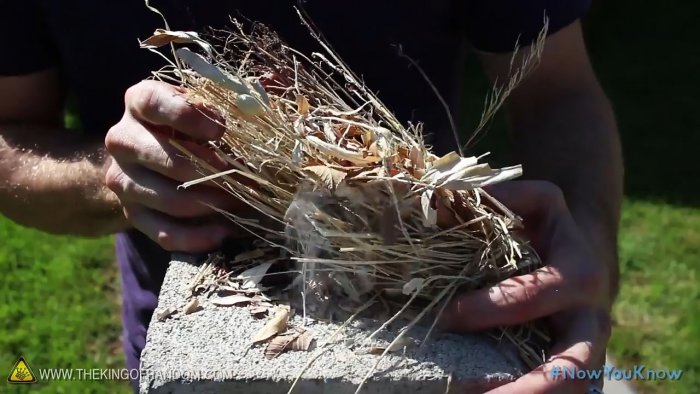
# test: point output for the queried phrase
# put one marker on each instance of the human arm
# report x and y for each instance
(56, 181)
(146, 169)
(51, 178)
(566, 136)
(564, 129)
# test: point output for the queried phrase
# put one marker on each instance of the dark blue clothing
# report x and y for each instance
(94, 44)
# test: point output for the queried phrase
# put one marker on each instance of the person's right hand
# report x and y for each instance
(145, 169)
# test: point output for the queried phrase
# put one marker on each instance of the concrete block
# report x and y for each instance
(206, 352)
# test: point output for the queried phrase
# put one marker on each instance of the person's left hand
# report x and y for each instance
(571, 289)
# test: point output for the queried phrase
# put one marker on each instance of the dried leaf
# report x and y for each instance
(235, 299)
(383, 139)
(429, 213)
(303, 105)
(417, 158)
(192, 306)
(376, 172)
(258, 311)
(446, 167)
(302, 342)
(273, 327)
(297, 341)
(471, 171)
(277, 345)
(164, 37)
(367, 138)
(232, 287)
(495, 176)
(253, 276)
(331, 177)
(446, 162)
(165, 313)
(373, 149)
(412, 285)
(249, 105)
(249, 255)
(260, 298)
(211, 72)
(260, 91)
(329, 133)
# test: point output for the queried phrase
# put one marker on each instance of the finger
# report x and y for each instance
(512, 301)
(139, 185)
(164, 104)
(578, 350)
(600, 324)
(174, 236)
(133, 143)
(542, 206)
(530, 199)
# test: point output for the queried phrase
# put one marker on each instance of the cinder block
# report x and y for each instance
(205, 352)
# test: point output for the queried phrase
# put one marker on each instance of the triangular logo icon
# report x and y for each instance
(21, 372)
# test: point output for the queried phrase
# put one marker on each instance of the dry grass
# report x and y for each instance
(351, 196)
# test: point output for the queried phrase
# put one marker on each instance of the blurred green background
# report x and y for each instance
(60, 295)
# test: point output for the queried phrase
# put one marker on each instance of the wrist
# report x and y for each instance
(603, 244)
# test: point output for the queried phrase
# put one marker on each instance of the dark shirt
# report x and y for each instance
(94, 44)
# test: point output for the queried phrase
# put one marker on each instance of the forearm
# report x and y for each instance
(53, 181)
(570, 138)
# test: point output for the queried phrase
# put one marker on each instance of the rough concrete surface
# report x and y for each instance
(205, 352)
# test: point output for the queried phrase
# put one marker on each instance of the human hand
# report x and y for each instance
(571, 290)
(145, 169)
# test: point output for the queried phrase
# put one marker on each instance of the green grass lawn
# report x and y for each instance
(657, 319)
(59, 307)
